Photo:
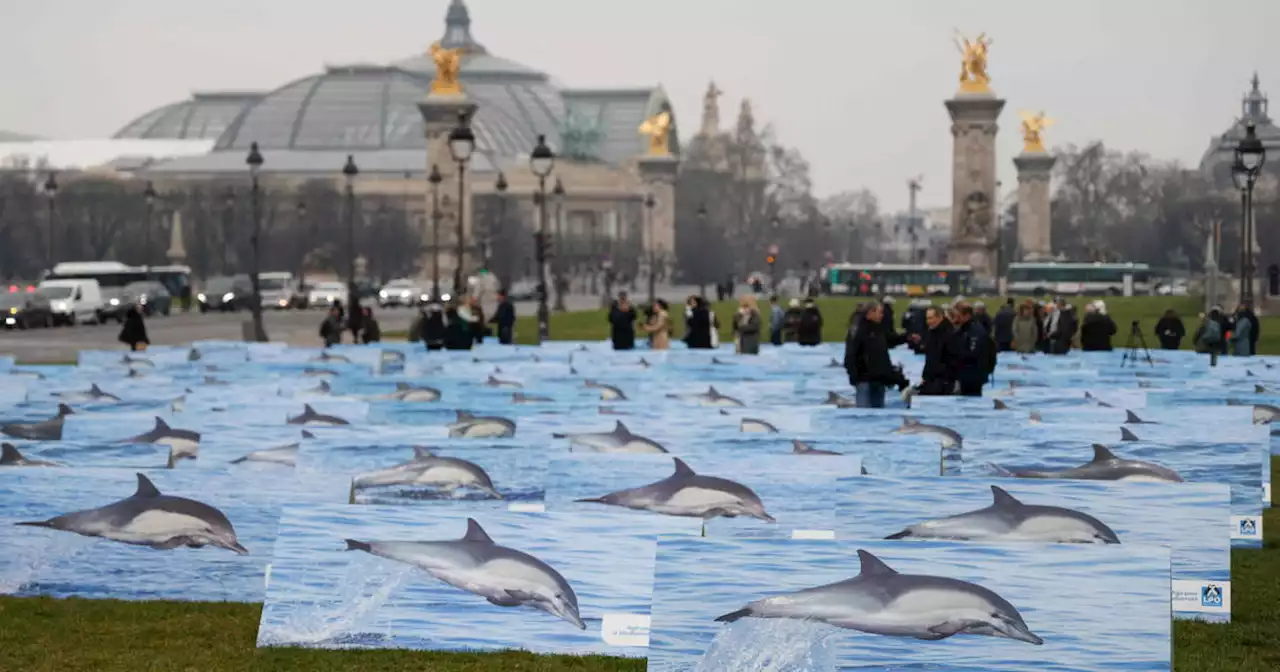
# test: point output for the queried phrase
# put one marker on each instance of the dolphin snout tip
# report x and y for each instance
(240, 550)
(1032, 638)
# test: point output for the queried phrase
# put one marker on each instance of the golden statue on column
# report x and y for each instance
(973, 63)
(658, 129)
(448, 62)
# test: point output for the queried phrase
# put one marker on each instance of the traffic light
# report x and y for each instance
(770, 259)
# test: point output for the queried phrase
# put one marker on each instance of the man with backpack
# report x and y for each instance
(1209, 336)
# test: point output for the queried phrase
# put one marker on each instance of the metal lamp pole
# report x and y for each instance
(434, 179)
(557, 264)
(305, 237)
(51, 195)
(349, 173)
(541, 161)
(150, 196)
(228, 217)
(653, 248)
(1250, 157)
(501, 186)
(254, 161)
(462, 142)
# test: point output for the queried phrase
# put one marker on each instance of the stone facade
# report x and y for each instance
(1034, 195)
(659, 175)
(440, 114)
(973, 181)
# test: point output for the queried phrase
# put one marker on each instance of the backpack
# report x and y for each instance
(1210, 335)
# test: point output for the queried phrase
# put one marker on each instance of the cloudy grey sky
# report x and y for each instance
(856, 85)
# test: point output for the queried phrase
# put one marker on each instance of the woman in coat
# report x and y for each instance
(134, 331)
(1242, 337)
(1026, 329)
(746, 326)
(697, 325)
(658, 326)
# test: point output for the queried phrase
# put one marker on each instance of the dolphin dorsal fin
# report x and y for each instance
(161, 424)
(832, 397)
(324, 386)
(64, 409)
(307, 410)
(724, 412)
(1126, 435)
(1035, 416)
(1131, 417)
(908, 421)
(307, 435)
(1102, 453)
(401, 387)
(620, 428)
(464, 416)
(420, 453)
(1088, 394)
(999, 405)
(711, 390)
(873, 566)
(1003, 498)
(491, 379)
(9, 454)
(476, 533)
(94, 389)
(146, 488)
(798, 446)
(1258, 389)
(683, 469)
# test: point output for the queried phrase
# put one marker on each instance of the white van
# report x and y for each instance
(277, 290)
(73, 301)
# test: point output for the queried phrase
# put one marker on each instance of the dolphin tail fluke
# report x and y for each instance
(734, 615)
(899, 535)
(353, 545)
(38, 523)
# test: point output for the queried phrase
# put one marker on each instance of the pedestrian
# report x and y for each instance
(866, 356)
(888, 302)
(746, 326)
(1096, 330)
(1003, 326)
(697, 324)
(810, 328)
(134, 331)
(1025, 329)
(658, 326)
(791, 321)
(1067, 325)
(1245, 311)
(776, 320)
(915, 324)
(434, 329)
(1170, 331)
(1209, 336)
(713, 323)
(622, 323)
(415, 327)
(505, 319)
(478, 327)
(355, 318)
(1225, 326)
(371, 331)
(331, 327)
(1242, 337)
(936, 377)
(969, 350)
(457, 328)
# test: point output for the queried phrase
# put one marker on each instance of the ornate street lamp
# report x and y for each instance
(434, 178)
(354, 316)
(51, 195)
(149, 195)
(254, 161)
(305, 238)
(1250, 157)
(541, 161)
(559, 261)
(462, 143)
(501, 186)
(653, 248)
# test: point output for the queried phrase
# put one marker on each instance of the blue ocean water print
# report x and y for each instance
(755, 604)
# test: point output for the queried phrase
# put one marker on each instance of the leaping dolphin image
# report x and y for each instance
(756, 426)
(503, 576)
(286, 455)
(407, 392)
(149, 518)
(607, 392)
(686, 493)
(426, 468)
(11, 457)
(618, 440)
(880, 601)
(799, 447)
(711, 397)
(1106, 466)
(469, 426)
(183, 443)
(494, 382)
(950, 438)
(311, 417)
(93, 394)
(1008, 519)
(46, 430)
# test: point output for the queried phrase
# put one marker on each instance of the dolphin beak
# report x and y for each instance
(576, 620)
(235, 546)
(766, 517)
(1022, 634)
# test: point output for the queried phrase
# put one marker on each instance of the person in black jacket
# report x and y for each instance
(915, 325)
(809, 332)
(968, 349)
(936, 379)
(1096, 330)
(504, 317)
(372, 331)
(1003, 326)
(866, 356)
(457, 330)
(697, 324)
(434, 329)
(134, 331)
(1170, 331)
(1245, 311)
(622, 323)
(331, 327)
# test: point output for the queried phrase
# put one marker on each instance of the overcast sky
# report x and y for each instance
(856, 85)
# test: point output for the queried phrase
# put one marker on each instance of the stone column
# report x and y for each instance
(659, 175)
(440, 114)
(177, 248)
(973, 181)
(1034, 194)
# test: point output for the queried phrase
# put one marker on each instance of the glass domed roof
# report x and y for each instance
(206, 116)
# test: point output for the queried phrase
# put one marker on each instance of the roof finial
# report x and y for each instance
(1256, 86)
(457, 29)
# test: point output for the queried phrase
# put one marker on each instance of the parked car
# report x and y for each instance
(25, 310)
(323, 294)
(115, 304)
(225, 294)
(401, 292)
(523, 290)
(277, 290)
(151, 295)
(444, 293)
(73, 301)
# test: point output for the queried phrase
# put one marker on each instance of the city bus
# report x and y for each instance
(1090, 278)
(115, 275)
(898, 279)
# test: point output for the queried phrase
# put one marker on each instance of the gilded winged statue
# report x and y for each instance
(448, 61)
(658, 128)
(1032, 126)
(973, 63)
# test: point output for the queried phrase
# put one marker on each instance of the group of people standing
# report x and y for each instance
(802, 325)
(460, 325)
(362, 324)
(1219, 333)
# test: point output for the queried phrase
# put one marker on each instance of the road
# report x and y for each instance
(294, 327)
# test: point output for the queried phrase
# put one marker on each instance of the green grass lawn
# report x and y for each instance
(49, 635)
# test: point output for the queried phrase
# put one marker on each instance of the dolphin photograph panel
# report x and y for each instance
(733, 604)
(463, 578)
(1187, 517)
(165, 534)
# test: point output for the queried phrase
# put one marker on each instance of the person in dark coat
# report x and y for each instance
(1225, 324)
(355, 318)
(936, 378)
(434, 329)
(504, 318)
(477, 325)
(887, 301)
(331, 327)
(866, 356)
(622, 323)
(457, 330)
(697, 324)
(968, 351)
(980, 314)
(1003, 326)
(1245, 311)
(1170, 331)
(1068, 323)
(371, 331)
(915, 325)
(1096, 330)
(809, 332)
(134, 331)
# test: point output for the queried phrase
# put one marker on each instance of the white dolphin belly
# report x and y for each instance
(695, 501)
(155, 526)
(181, 447)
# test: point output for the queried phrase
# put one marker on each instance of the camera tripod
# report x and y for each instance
(1136, 340)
